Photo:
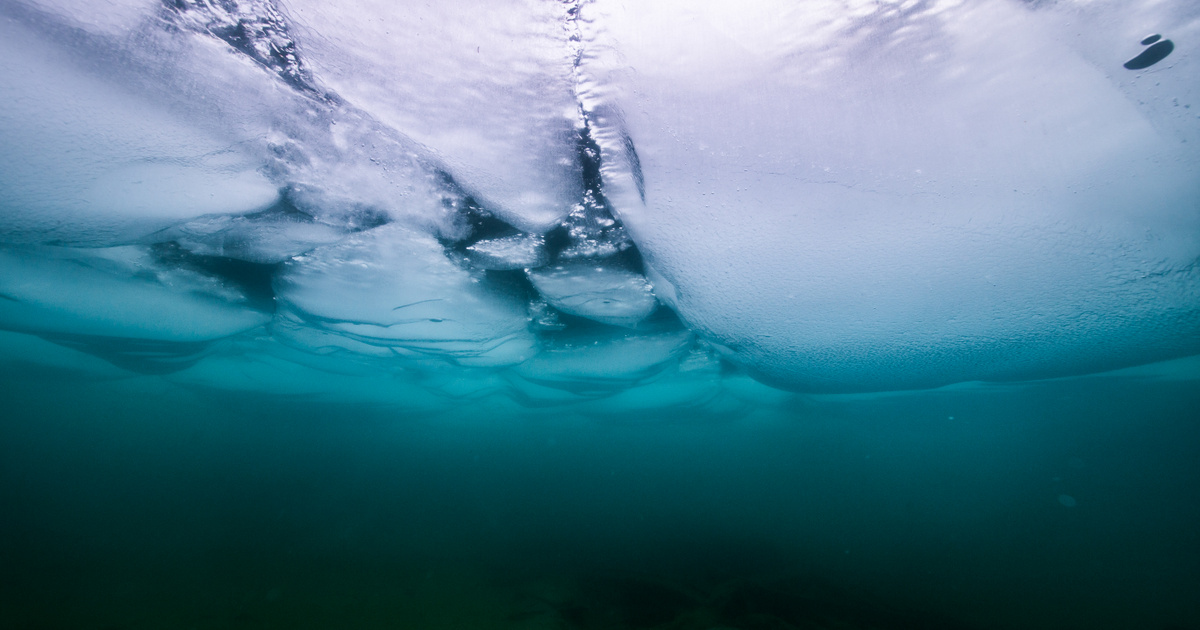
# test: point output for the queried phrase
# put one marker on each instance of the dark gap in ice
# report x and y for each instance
(285, 208)
(483, 224)
(472, 221)
(635, 165)
(510, 282)
(662, 320)
(476, 240)
(592, 230)
(144, 356)
(256, 29)
(1152, 55)
(502, 256)
(589, 162)
(1151, 39)
(596, 271)
(252, 279)
(575, 325)
(557, 240)
(631, 259)
(728, 368)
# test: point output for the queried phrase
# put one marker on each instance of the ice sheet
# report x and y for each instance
(487, 87)
(890, 196)
(844, 196)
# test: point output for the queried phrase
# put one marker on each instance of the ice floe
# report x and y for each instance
(394, 287)
(122, 292)
(598, 290)
(519, 251)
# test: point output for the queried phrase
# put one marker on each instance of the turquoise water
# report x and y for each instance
(139, 504)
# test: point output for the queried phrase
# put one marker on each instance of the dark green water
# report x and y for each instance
(137, 504)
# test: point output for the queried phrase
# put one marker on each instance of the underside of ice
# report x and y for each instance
(394, 287)
(881, 200)
(87, 162)
(428, 203)
(122, 292)
(520, 251)
(597, 291)
(487, 87)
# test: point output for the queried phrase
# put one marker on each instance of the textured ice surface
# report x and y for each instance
(394, 287)
(519, 251)
(488, 87)
(264, 238)
(601, 291)
(428, 203)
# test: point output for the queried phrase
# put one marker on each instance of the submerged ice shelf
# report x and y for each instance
(427, 204)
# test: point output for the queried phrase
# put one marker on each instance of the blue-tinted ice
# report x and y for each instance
(862, 196)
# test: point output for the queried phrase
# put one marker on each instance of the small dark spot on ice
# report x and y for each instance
(1152, 55)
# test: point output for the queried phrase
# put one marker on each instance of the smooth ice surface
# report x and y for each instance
(88, 162)
(863, 196)
(604, 364)
(121, 292)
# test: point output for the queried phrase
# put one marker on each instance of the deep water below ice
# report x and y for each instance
(140, 504)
